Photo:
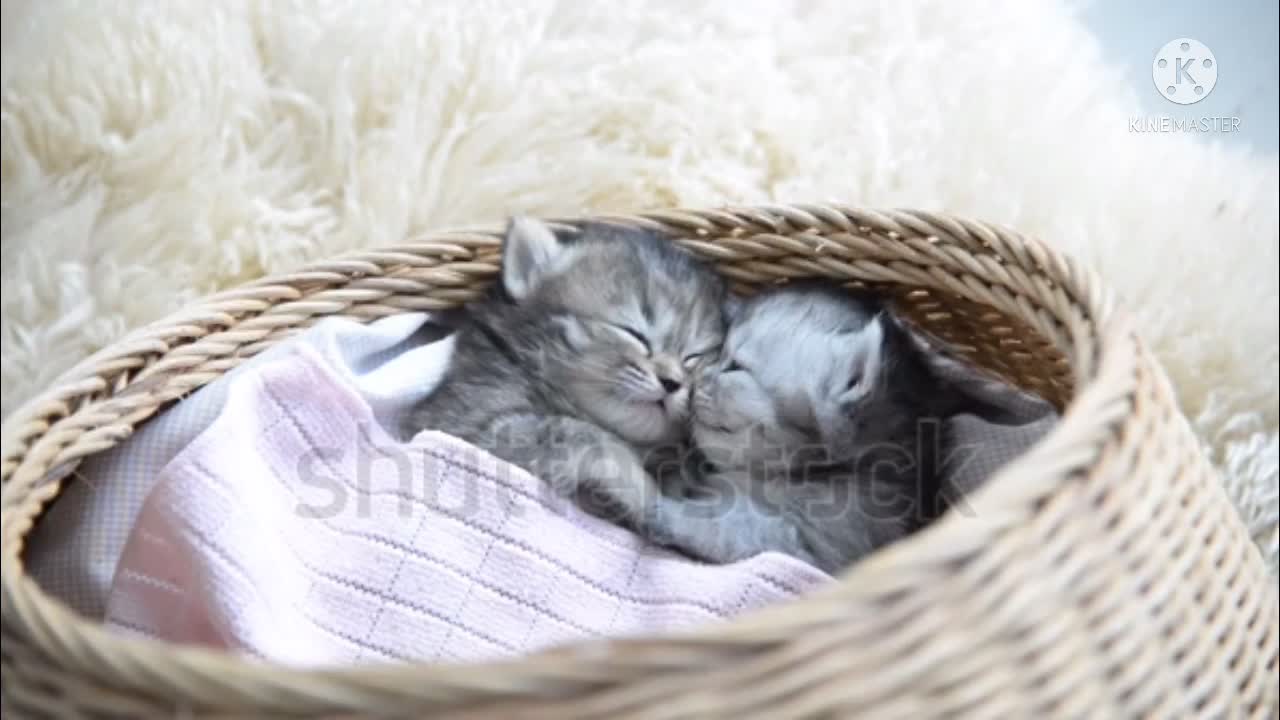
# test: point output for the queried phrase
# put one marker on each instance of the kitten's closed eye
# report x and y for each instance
(634, 336)
(693, 358)
(854, 380)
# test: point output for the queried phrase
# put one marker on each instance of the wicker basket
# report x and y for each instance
(1103, 574)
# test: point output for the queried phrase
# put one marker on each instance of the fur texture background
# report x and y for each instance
(157, 151)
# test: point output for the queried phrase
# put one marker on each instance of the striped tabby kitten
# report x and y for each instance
(577, 365)
(819, 425)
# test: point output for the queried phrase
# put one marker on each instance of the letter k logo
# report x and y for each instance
(1184, 71)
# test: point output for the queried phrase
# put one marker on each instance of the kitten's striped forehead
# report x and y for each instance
(802, 346)
(805, 317)
(638, 280)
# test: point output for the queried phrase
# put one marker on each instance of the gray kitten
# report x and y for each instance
(577, 364)
(819, 426)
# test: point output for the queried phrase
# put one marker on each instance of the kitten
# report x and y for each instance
(577, 364)
(815, 426)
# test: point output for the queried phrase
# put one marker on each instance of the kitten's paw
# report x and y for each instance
(612, 484)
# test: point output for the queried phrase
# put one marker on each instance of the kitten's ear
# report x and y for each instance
(870, 349)
(530, 253)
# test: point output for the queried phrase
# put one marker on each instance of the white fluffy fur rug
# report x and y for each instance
(156, 151)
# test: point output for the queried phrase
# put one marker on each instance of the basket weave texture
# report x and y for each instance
(1103, 574)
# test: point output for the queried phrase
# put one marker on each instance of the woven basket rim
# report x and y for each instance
(126, 382)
